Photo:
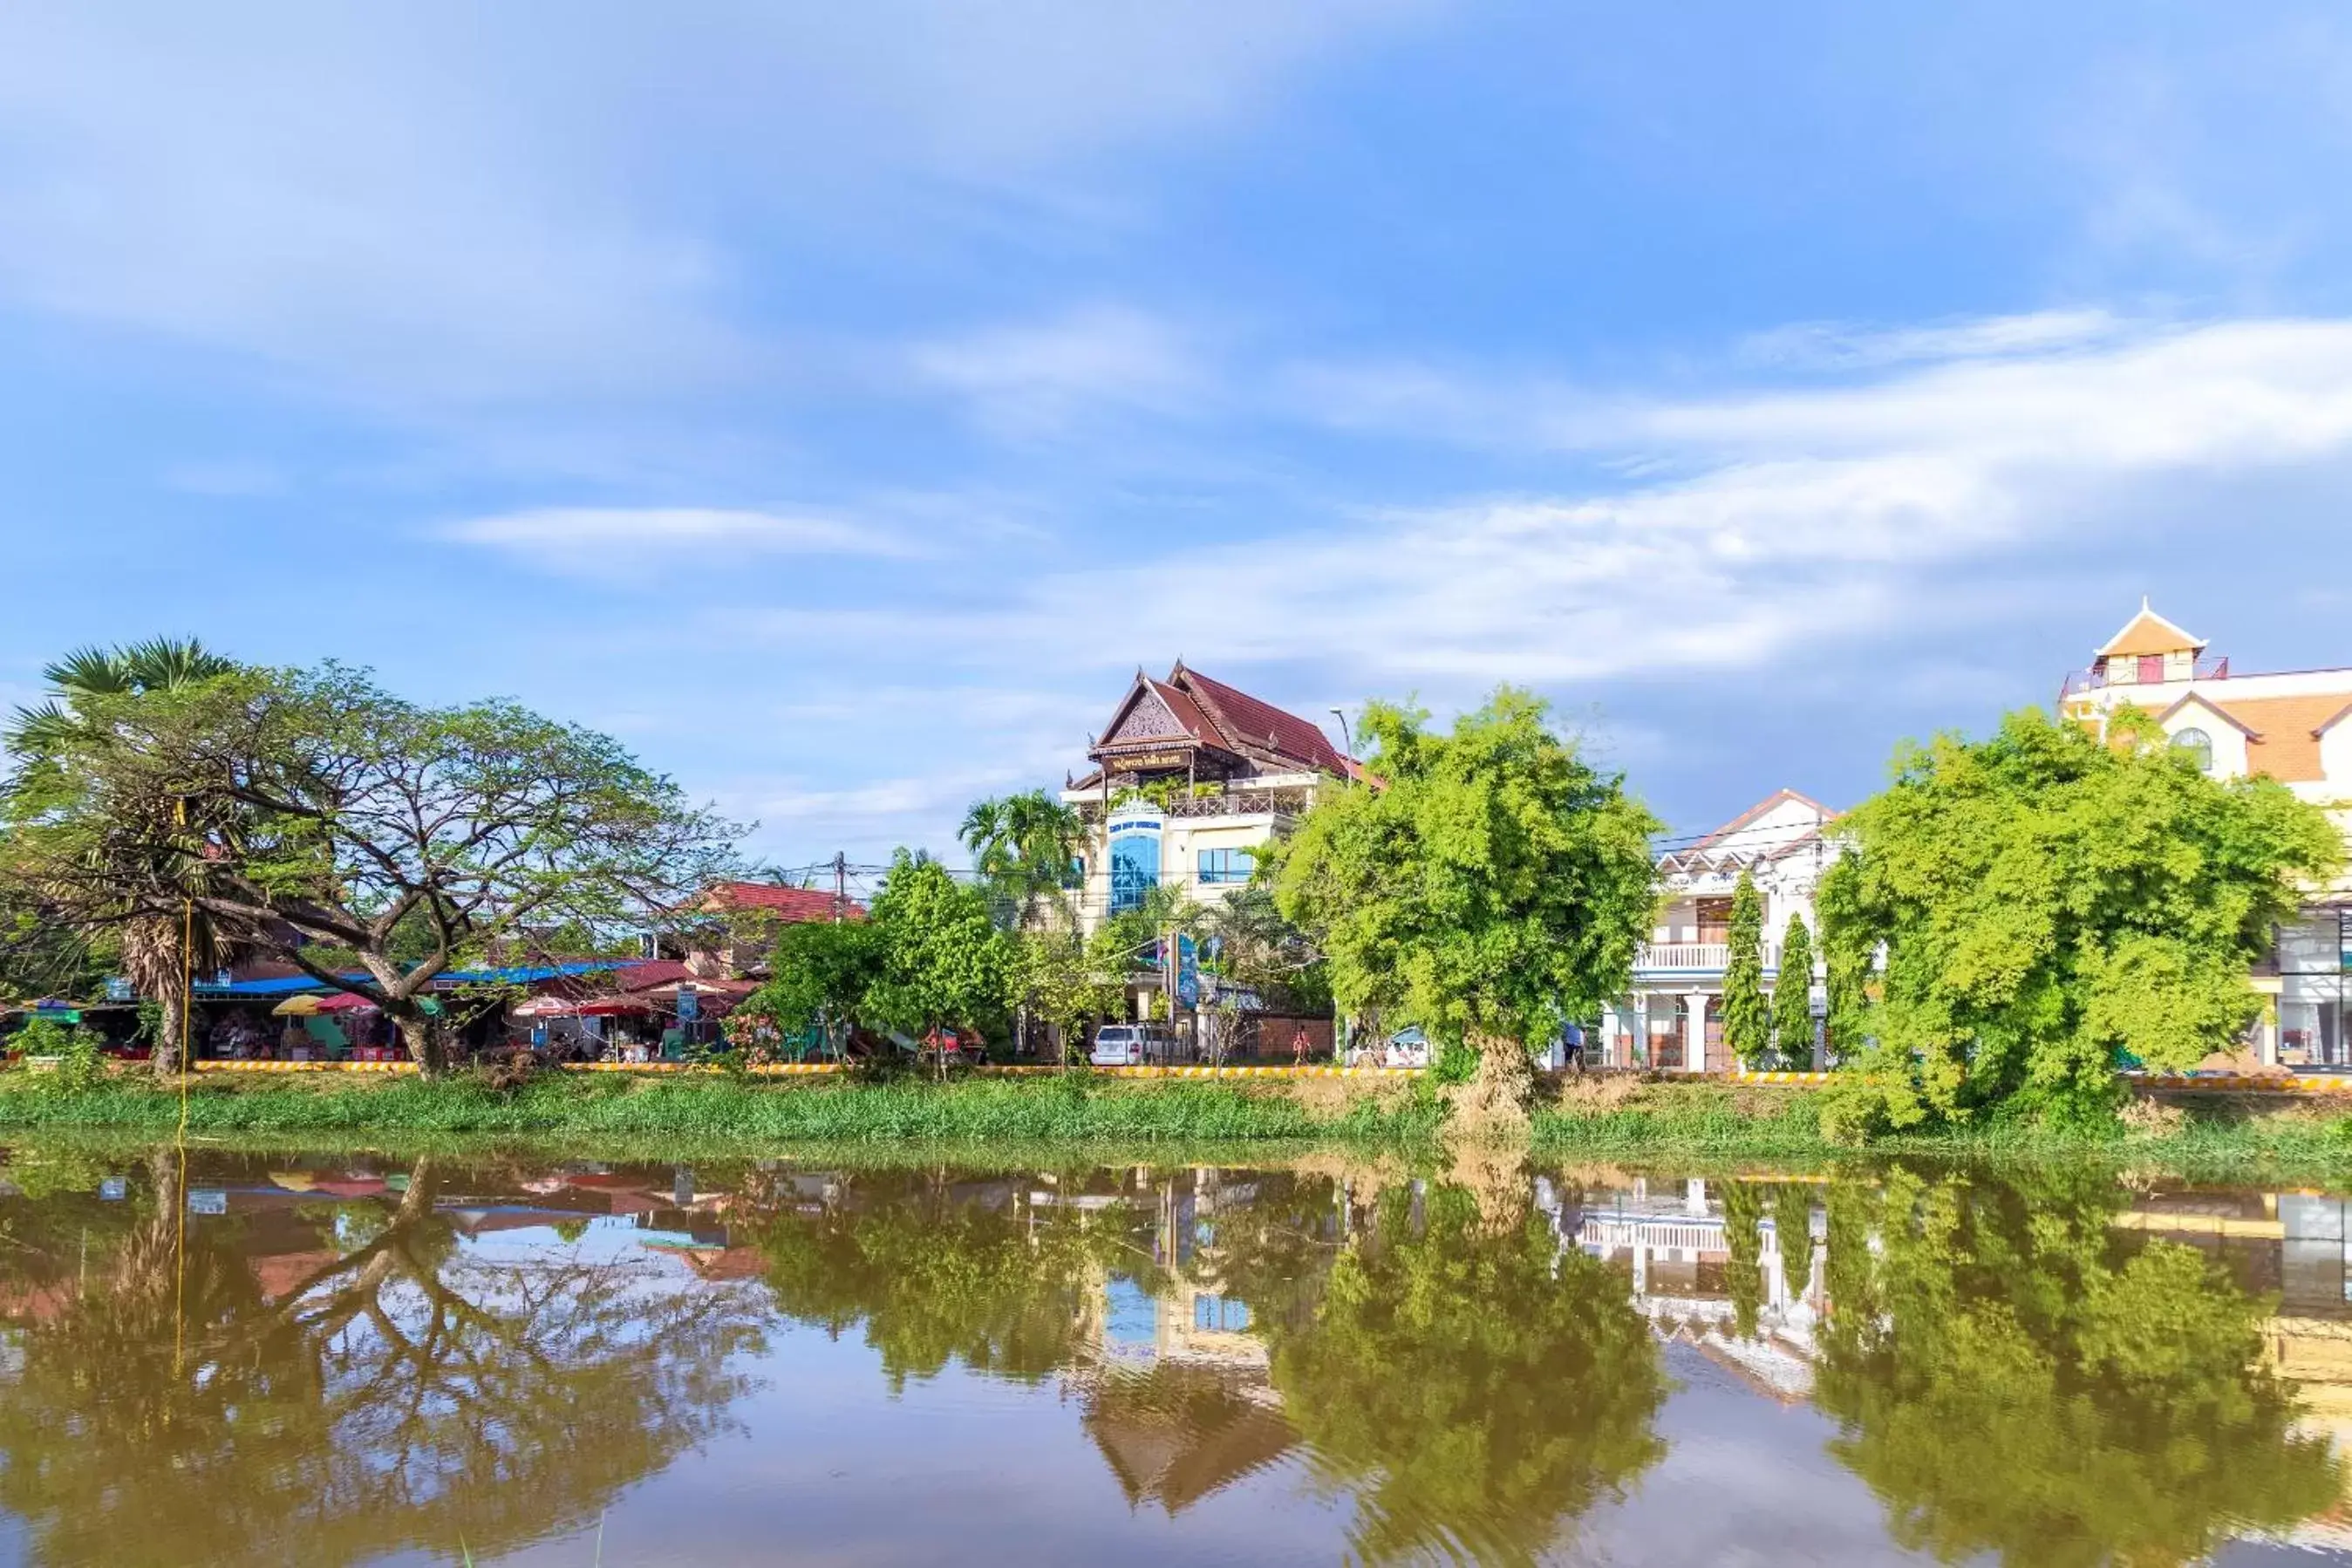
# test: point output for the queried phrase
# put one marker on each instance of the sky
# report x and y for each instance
(839, 403)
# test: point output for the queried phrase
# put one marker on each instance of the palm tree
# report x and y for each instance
(1023, 846)
(158, 951)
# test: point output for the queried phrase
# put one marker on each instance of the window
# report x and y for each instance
(1134, 868)
(2198, 744)
(1226, 865)
(2151, 669)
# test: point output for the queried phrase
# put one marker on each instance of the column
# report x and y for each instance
(1694, 1049)
(1641, 1029)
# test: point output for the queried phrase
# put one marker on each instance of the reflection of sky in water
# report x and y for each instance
(1130, 1316)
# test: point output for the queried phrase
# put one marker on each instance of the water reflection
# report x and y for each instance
(330, 1360)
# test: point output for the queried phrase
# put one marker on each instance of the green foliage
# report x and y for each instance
(1848, 942)
(1792, 1225)
(934, 1279)
(1023, 846)
(1065, 980)
(1477, 1386)
(1747, 1022)
(943, 960)
(1743, 1237)
(1493, 888)
(819, 976)
(2017, 1381)
(2052, 904)
(1792, 999)
(303, 808)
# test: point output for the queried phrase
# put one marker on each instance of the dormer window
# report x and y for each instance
(2196, 745)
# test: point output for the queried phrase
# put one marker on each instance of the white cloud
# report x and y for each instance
(442, 202)
(1036, 379)
(625, 542)
(1843, 345)
(1796, 518)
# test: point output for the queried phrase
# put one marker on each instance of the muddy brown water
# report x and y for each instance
(328, 1359)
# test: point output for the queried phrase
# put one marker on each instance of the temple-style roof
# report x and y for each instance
(1188, 712)
(2148, 633)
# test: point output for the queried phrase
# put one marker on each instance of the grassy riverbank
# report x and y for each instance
(2222, 1138)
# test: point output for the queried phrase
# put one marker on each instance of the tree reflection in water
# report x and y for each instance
(407, 1393)
(2011, 1376)
(1475, 1385)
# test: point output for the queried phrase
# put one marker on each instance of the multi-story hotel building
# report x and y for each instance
(1191, 778)
(1673, 1018)
(2294, 726)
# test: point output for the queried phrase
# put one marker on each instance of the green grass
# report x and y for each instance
(703, 1110)
(1660, 1123)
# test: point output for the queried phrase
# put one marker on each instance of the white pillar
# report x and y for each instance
(1694, 1052)
(1641, 1029)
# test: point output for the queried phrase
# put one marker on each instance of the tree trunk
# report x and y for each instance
(417, 1034)
(1497, 1104)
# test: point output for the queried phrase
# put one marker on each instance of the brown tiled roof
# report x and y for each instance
(792, 904)
(1246, 720)
(2150, 633)
(2283, 733)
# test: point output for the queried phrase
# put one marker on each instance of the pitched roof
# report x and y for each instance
(2198, 700)
(2150, 633)
(1776, 798)
(790, 904)
(1212, 714)
(2283, 733)
(1247, 721)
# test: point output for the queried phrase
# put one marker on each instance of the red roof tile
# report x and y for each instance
(792, 903)
(1244, 720)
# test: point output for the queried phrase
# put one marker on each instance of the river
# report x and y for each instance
(211, 1357)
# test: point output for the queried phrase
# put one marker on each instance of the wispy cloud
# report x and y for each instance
(1039, 378)
(1795, 518)
(625, 541)
(1846, 345)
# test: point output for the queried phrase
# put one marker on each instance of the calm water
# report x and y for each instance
(338, 1359)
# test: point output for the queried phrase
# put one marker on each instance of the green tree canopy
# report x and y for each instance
(819, 975)
(1489, 885)
(1793, 999)
(317, 819)
(2018, 1381)
(1746, 1020)
(1023, 846)
(943, 960)
(2051, 902)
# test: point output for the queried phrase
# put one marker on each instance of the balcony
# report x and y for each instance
(2082, 681)
(1290, 801)
(1694, 958)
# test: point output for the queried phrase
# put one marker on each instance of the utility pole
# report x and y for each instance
(840, 884)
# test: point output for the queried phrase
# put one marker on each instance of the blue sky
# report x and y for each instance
(838, 403)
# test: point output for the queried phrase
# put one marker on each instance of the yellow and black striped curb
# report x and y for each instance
(307, 1066)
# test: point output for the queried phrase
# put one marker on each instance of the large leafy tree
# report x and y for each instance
(373, 843)
(820, 973)
(943, 959)
(157, 950)
(1065, 979)
(1491, 885)
(1023, 846)
(2051, 903)
(1793, 999)
(2019, 1381)
(1848, 955)
(1746, 1020)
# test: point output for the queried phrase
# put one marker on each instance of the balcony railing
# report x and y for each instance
(1695, 957)
(1283, 802)
(2080, 680)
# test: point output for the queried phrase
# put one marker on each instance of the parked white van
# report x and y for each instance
(1133, 1046)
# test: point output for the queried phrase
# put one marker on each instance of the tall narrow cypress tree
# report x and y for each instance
(1747, 1022)
(1792, 999)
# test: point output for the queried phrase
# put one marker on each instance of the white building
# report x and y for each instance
(1672, 1018)
(1191, 778)
(2294, 726)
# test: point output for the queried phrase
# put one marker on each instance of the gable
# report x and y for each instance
(2147, 633)
(1146, 718)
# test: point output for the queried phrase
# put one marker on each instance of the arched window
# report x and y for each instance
(2198, 744)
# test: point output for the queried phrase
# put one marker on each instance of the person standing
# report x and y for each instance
(1298, 1046)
